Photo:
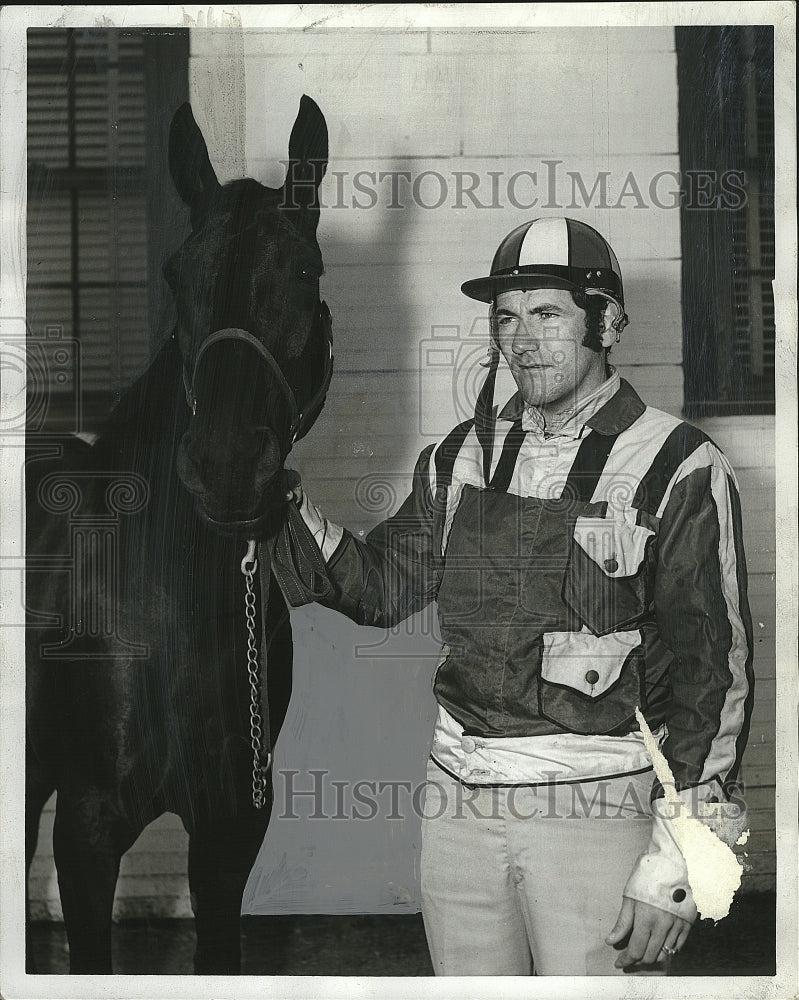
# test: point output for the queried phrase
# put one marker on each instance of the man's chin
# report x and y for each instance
(536, 386)
(537, 396)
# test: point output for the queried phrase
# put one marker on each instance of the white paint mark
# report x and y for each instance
(217, 88)
(714, 872)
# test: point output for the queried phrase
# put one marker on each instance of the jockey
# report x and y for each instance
(584, 550)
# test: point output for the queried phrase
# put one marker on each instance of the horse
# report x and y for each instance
(146, 613)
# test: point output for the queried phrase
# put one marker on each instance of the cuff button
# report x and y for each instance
(678, 895)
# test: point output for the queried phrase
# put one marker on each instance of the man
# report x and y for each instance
(585, 553)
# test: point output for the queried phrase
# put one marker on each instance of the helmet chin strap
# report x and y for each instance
(484, 421)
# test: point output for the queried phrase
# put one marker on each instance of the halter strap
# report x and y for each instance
(300, 422)
(232, 333)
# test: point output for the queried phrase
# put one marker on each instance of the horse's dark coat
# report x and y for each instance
(137, 693)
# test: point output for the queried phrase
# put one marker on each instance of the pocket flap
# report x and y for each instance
(616, 544)
(584, 662)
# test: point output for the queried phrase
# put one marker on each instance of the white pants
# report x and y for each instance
(524, 878)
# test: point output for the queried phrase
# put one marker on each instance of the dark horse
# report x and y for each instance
(141, 695)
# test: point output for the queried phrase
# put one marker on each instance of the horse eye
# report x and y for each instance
(305, 273)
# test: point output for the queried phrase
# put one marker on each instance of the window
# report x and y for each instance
(726, 137)
(99, 105)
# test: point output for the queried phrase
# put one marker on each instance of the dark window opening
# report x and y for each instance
(99, 211)
(726, 138)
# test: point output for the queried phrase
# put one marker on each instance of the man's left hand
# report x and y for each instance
(654, 934)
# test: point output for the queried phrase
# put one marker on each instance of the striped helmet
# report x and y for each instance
(551, 253)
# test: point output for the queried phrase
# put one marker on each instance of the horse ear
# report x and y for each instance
(307, 154)
(189, 163)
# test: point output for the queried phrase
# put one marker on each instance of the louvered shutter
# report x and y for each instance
(753, 232)
(88, 131)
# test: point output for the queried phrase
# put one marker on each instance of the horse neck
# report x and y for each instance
(150, 414)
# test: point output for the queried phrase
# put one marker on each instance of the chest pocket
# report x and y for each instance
(607, 580)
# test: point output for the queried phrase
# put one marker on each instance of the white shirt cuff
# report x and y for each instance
(327, 535)
(660, 877)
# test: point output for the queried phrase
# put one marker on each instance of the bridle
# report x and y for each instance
(300, 421)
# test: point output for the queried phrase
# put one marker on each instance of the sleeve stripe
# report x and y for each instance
(706, 455)
(446, 452)
(444, 456)
(722, 755)
(631, 458)
(506, 465)
(589, 464)
(679, 448)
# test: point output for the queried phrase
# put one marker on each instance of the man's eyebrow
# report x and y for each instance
(545, 307)
(542, 307)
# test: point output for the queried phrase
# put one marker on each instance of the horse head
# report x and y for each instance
(253, 334)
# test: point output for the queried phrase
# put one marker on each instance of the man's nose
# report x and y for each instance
(524, 342)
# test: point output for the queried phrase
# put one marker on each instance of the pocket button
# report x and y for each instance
(612, 564)
(468, 744)
(591, 677)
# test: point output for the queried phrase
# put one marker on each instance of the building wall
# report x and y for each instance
(452, 110)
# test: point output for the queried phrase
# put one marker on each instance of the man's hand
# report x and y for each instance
(292, 486)
(653, 934)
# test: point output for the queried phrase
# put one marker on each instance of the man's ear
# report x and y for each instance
(614, 318)
(611, 327)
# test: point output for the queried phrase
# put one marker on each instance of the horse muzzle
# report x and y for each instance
(248, 510)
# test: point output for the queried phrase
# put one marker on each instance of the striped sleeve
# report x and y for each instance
(396, 570)
(703, 618)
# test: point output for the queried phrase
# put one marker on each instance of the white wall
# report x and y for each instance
(446, 102)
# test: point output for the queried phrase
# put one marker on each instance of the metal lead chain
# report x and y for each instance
(249, 565)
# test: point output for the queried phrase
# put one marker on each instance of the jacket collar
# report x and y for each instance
(620, 412)
(623, 408)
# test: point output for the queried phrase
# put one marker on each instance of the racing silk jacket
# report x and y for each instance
(599, 570)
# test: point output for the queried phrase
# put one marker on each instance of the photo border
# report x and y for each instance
(13, 24)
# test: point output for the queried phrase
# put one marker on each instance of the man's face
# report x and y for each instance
(540, 333)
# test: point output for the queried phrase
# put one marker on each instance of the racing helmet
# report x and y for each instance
(551, 253)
